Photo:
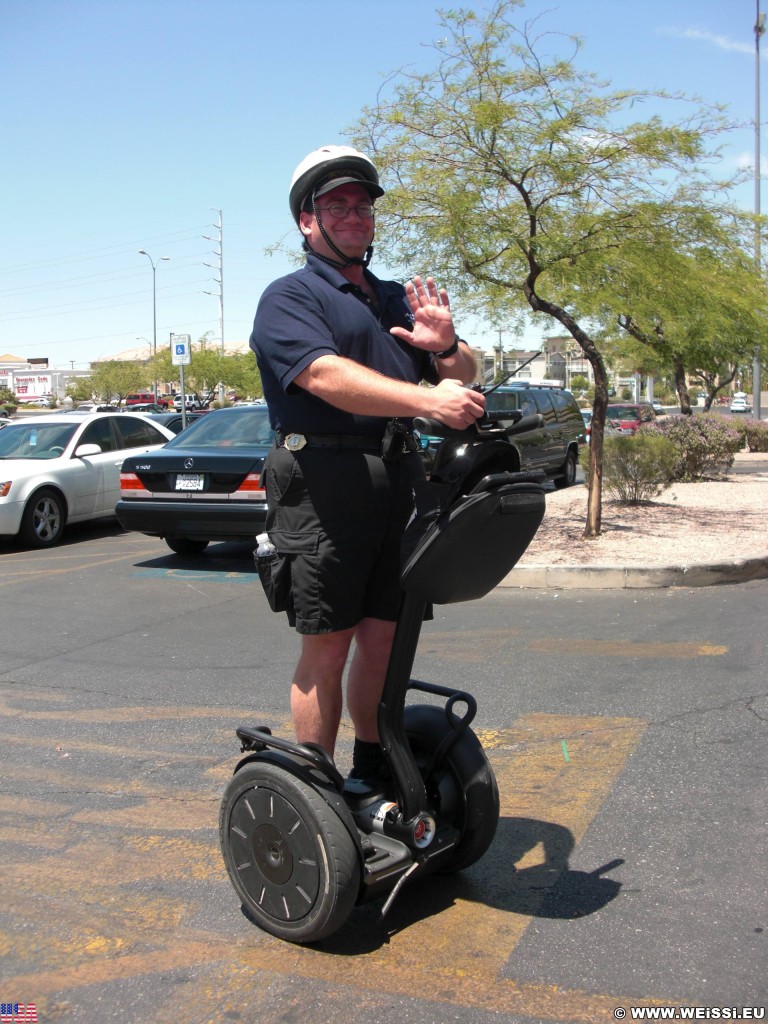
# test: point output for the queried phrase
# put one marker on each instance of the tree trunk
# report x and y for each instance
(680, 386)
(595, 476)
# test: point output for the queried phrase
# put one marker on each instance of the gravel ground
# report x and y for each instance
(713, 521)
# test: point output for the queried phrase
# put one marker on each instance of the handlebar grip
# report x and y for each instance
(533, 422)
(438, 429)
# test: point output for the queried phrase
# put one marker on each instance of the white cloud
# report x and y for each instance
(722, 42)
(746, 161)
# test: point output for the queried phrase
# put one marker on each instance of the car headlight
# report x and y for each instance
(5, 486)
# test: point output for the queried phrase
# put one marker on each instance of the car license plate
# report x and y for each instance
(189, 482)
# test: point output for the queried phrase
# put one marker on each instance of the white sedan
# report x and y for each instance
(58, 469)
(740, 405)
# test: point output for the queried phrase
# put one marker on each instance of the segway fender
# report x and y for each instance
(296, 766)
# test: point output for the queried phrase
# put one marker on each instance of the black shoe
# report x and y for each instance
(365, 783)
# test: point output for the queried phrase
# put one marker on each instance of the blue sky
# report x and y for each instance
(126, 124)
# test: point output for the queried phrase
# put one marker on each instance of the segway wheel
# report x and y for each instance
(461, 787)
(291, 860)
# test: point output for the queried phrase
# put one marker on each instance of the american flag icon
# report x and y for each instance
(18, 1013)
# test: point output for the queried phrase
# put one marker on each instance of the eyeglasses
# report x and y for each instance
(340, 210)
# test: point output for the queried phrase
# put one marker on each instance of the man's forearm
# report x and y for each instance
(355, 388)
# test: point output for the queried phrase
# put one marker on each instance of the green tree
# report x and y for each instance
(242, 374)
(79, 389)
(694, 306)
(116, 378)
(507, 168)
(209, 367)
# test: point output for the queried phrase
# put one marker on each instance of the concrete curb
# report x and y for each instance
(608, 577)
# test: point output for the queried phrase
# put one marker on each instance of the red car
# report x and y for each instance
(628, 416)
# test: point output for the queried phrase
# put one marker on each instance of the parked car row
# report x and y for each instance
(203, 483)
(611, 427)
(165, 402)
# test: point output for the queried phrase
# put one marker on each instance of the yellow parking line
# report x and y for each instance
(80, 563)
(446, 939)
(625, 648)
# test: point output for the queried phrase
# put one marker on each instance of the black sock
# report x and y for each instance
(367, 759)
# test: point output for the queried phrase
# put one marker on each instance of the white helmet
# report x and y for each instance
(328, 167)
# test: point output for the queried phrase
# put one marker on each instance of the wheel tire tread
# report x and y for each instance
(343, 868)
(426, 726)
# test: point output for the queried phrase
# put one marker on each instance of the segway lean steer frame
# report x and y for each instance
(301, 844)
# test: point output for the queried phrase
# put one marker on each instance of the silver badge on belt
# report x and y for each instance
(294, 442)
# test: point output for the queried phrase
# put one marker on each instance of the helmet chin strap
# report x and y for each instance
(344, 261)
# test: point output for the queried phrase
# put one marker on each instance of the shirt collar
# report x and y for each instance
(336, 278)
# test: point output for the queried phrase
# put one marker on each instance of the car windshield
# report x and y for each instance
(227, 430)
(35, 441)
(622, 412)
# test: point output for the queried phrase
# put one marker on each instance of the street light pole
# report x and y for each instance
(154, 313)
(756, 368)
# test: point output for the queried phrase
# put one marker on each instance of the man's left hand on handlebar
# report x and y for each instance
(452, 403)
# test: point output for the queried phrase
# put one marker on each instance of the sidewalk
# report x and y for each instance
(617, 572)
(608, 577)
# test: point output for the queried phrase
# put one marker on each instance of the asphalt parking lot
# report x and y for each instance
(627, 732)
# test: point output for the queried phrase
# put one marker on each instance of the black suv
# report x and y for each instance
(553, 448)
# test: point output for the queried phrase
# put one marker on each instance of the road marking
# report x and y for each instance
(625, 648)
(113, 880)
(197, 575)
(479, 645)
(79, 562)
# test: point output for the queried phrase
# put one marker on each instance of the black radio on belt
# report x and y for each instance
(398, 440)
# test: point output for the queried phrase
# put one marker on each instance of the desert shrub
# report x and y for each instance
(705, 444)
(753, 434)
(637, 468)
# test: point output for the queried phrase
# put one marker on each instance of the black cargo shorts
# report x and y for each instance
(336, 517)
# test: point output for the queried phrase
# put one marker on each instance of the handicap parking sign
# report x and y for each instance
(181, 351)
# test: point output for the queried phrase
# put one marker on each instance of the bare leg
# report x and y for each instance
(373, 642)
(316, 692)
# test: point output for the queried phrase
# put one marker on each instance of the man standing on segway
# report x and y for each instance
(342, 356)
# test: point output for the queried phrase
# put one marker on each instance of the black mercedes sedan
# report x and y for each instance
(203, 485)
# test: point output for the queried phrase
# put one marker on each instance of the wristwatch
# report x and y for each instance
(450, 351)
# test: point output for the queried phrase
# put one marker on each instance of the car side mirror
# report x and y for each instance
(84, 450)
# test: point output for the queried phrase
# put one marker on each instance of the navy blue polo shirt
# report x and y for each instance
(314, 312)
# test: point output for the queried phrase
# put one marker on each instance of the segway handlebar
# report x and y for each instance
(521, 423)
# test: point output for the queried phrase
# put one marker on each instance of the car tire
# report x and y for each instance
(186, 546)
(567, 477)
(42, 523)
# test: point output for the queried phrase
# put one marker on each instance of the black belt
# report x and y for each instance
(294, 442)
(397, 441)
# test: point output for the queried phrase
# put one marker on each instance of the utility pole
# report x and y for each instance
(219, 266)
(756, 368)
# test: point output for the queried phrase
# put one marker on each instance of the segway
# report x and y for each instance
(302, 845)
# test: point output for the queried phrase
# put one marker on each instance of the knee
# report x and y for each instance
(325, 655)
